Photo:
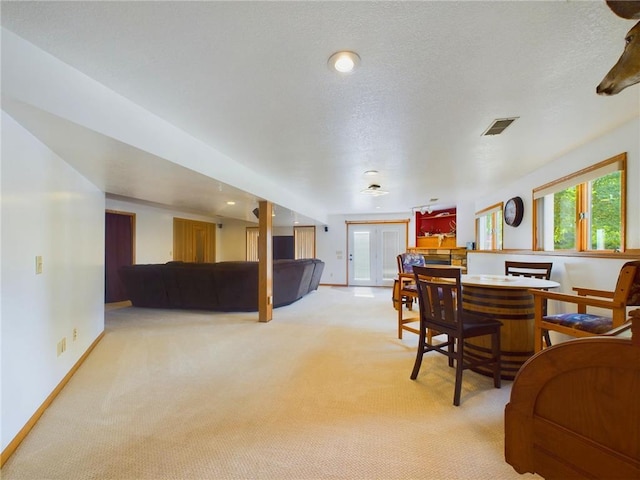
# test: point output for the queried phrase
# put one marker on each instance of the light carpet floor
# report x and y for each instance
(320, 392)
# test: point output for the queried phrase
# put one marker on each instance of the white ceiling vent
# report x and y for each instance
(499, 125)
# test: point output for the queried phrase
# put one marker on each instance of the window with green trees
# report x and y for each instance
(489, 228)
(583, 211)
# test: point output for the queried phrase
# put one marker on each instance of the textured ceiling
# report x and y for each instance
(250, 79)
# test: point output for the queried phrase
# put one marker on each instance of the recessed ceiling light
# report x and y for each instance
(230, 202)
(344, 62)
(371, 173)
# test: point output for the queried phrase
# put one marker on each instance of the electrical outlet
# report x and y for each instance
(75, 334)
(62, 346)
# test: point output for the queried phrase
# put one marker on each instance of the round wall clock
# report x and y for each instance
(513, 210)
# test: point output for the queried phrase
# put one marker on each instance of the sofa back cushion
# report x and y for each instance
(237, 286)
(144, 285)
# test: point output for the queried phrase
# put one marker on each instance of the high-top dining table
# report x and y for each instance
(507, 299)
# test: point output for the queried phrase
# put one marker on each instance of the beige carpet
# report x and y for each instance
(320, 392)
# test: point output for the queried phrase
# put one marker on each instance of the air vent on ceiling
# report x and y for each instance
(499, 125)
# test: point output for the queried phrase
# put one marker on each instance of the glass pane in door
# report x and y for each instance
(390, 249)
(362, 256)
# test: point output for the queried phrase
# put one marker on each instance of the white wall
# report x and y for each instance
(154, 232)
(48, 209)
(595, 273)
(625, 138)
(233, 240)
(331, 246)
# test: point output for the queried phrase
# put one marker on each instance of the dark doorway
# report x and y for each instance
(118, 248)
(283, 247)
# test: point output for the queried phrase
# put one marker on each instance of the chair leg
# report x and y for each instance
(497, 365)
(537, 339)
(459, 368)
(400, 321)
(395, 295)
(451, 349)
(419, 354)
(545, 332)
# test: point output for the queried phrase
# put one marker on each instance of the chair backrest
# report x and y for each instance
(439, 297)
(528, 269)
(406, 262)
(628, 286)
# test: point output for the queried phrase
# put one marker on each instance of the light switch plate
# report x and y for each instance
(38, 264)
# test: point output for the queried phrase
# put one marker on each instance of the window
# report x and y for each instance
(489, 228)
(305, 242)
(252, 244)
(584, 211)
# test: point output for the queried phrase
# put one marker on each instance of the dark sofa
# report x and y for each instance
(222, 286)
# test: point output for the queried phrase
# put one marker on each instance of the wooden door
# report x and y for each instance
(194, 241)
(118, 251)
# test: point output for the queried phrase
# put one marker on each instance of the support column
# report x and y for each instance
(265, 268)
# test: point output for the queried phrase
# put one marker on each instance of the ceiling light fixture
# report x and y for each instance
(371, 173)
(344, 62)
(231, 202)
(428, 208)
(374, 190)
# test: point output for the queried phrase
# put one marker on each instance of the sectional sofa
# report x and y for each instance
(222, 286)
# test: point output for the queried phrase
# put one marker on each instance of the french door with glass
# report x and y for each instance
(372, 252)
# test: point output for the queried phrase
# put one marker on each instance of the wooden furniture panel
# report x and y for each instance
(574, 410)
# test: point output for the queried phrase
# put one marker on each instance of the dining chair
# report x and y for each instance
(528, 269)
(585, 323)
(440, 301)
(401, 294)
(404, 288)
(535, 270)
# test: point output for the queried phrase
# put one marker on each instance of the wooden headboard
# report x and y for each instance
(574, 410)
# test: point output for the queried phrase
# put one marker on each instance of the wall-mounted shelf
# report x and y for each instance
(436, 229)
(436, 241)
